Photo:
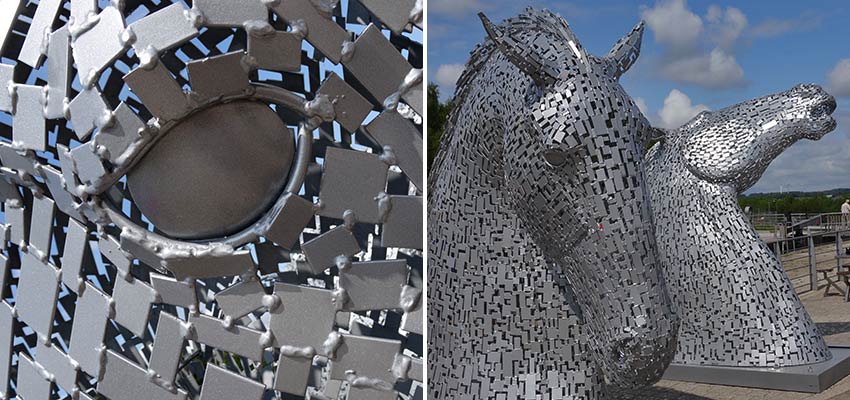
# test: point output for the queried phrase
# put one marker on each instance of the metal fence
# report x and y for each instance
(823, 223)
(771, 221)
(803, 257)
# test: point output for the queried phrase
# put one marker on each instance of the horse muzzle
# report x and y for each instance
(637, 361)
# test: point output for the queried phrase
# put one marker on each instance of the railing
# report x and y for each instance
(802, 257)
(771, 221)
(823, 222)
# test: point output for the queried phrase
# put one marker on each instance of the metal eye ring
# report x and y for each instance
(555, 158)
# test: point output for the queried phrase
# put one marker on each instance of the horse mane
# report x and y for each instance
(526, 27)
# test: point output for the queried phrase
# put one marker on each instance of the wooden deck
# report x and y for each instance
(796, 265)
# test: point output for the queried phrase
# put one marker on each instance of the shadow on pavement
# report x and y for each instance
(833, 328)
(658, 393)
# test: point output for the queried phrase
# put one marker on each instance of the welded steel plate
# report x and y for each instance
(185, 185)
(7, 76)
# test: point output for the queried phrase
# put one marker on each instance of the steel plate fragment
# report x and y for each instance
(161, 30)
(7, 78)
(28, 123)
(342, 190)
(31, 51)
(220, 13)
(275, 51)
(8, 14)
(58, 73)
(95, 48)
(323, 33)
(350, 107)
(373, 285)
(315, 309)
(225, 385)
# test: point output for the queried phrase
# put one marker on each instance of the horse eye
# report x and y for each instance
(215, 166)
(555, 158)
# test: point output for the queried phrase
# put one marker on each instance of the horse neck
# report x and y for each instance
(707, 200)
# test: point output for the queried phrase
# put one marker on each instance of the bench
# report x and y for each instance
(831, 282)
(845, 277)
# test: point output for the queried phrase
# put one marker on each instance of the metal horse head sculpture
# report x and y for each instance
(736, 304)
(547, 139)
(736, 144)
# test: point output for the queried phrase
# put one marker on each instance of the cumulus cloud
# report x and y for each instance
(698, 52)
(447, 76)
(673, 24)
(725, 27)
(678, 109)
(455, 8)
(839, 78)
(715, 70)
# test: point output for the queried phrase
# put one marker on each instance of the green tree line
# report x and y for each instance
(781, 204)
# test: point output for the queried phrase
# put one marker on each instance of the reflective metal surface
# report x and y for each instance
(544, 276)
(735, 301)
(198, 203)
(191, 194)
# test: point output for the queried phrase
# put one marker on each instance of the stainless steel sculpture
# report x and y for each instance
(202, 203)
(543, 272)
(736, 304)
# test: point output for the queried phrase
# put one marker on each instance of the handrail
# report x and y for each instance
(781, 247)
(811, 221)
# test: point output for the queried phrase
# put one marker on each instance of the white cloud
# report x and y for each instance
(716, 70)
(772, 27)
(686, 41)
(678, 109)
(673, 24)
(455, 8)
(714, 13)
(446, 76)
(839, 78)
(725, 27)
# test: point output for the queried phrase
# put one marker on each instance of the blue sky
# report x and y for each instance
(696, 55)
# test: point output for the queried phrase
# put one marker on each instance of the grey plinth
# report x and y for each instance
(812, 378)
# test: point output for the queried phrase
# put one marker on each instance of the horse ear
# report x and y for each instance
(626, 51)
(540, 70)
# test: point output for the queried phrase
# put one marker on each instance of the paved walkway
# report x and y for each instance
(832, 316)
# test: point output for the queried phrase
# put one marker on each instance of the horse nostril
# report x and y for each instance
(624, 349)
(826, 107)
(820, 111)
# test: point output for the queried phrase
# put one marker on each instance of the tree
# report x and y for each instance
(438, 113)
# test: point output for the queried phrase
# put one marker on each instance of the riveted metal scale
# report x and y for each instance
(211, 199)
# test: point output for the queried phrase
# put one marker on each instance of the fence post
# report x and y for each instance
(839, 248)
(813, 269)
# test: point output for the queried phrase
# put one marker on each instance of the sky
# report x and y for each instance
(696, 55)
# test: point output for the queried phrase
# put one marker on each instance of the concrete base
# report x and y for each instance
(813, 378)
